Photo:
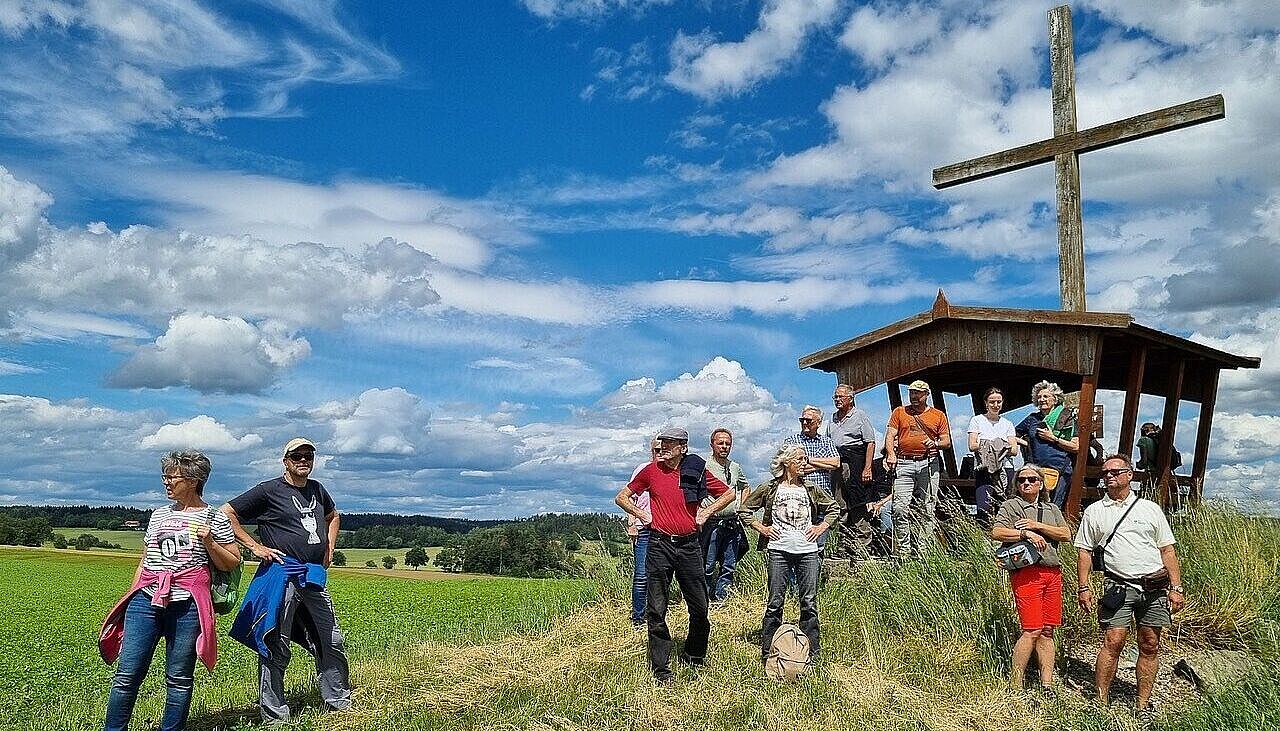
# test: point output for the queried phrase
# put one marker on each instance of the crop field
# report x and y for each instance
(55, 603)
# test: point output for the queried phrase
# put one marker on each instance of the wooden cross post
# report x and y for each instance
(1065, 147)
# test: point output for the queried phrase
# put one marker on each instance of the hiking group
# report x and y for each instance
(689, 518)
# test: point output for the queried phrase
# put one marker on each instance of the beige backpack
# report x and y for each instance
(788, 656)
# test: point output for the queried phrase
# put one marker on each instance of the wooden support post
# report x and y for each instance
(1084, 432)
(1168, 429)
(1208, 400)
(1132, 395)
(979, 405)
(895, 394)
(949, 454)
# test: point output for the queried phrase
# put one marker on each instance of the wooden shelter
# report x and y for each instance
(965, 350)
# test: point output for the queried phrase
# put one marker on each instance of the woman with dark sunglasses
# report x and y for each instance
(1037, 589)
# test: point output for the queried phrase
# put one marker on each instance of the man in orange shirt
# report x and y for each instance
(913, 442)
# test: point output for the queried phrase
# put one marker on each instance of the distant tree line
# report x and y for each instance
(79, 516)
(513, 549)
(395, 536)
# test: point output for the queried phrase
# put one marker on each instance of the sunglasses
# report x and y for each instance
(1030, 478)
(808, 421)
(1114, 473)
(301, 456)
(166, 479)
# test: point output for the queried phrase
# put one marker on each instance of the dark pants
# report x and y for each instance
(680, 557)
(723, 543)
(806, 567)
(332, 674)
(990, 490)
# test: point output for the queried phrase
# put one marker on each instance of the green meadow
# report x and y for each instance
(921, 646)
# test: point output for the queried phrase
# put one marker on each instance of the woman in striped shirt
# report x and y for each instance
(170, 594)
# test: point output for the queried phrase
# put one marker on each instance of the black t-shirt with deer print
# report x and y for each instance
(290, 519)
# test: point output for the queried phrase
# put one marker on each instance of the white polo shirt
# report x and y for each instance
(1135, 550)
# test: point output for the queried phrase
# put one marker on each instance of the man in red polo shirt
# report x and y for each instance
(676, 482)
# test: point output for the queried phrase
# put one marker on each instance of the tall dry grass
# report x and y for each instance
(924, 645)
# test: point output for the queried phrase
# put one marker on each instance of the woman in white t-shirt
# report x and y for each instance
(170, 595)
(993, 443)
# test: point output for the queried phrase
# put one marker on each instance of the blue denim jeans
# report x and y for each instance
(806, 567)
(144, 625)
(639, 579)
(723, 543)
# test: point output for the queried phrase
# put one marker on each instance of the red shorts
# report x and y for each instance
(1037, 590)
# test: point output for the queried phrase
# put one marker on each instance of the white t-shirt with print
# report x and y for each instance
(793, 516)
(171, 543)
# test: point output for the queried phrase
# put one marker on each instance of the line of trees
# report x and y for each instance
(79, 516)
(509, 550)
(30, 531)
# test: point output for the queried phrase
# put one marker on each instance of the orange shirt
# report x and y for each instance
(911, 437)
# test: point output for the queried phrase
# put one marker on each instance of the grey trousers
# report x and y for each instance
(332, 672)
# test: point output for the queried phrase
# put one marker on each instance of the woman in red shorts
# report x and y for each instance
(1037, 589)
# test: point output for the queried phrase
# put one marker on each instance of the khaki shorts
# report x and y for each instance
(1121, 604)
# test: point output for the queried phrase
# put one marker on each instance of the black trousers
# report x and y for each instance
(679, 557)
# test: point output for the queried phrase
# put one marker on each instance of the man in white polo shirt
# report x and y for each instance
(1142, 580)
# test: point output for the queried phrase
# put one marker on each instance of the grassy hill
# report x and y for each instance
(921, 646)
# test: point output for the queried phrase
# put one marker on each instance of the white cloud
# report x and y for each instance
(388, 421)
(97, 70)
(560, 375)
(8, 368)
(1245, 437)
(155, 274)
(1253, 486)
(200, 432)
(711, 70)
(348, 214)
(212, 354)
(793, 297)
(584, 9)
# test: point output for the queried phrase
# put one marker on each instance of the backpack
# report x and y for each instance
(224, 586)
(788, 656)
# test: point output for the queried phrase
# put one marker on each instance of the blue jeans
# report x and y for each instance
(144, 625)
(639, 579)
(723, 542)
(806, 567)
(989, 495)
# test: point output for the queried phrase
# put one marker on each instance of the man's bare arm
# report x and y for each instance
(262, 552)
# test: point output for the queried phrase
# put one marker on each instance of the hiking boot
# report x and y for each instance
(664, 677)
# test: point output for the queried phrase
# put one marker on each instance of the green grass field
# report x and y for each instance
(55, 602)
(921, 646)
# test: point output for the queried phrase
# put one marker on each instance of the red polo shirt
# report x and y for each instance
(671, 514)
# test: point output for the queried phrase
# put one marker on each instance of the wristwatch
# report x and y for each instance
(1178, 588)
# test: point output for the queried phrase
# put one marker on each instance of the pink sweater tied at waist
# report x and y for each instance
(194, 581)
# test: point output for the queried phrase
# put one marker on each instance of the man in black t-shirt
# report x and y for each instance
(297, 518)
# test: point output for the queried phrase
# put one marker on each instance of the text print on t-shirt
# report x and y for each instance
(174, 540)
(308, 518)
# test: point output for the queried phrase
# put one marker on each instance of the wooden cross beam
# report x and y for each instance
(1065, 147)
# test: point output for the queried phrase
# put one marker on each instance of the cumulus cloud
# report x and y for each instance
(710, 69)
(155, 274)
(388, 421)
(212, 354)
(200, 432)
(1245, 274)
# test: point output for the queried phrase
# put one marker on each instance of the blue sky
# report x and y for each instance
(479, 251)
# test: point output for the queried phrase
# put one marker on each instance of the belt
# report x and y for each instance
(921, 458)
(655, 534)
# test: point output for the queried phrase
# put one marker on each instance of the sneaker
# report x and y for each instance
(690, 660)
(1146, 714)
(1049, 692)
(664, 677)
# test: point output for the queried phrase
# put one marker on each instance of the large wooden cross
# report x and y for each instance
(1064, 149)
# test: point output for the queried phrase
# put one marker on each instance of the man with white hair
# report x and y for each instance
(676, 483)
(913, 444)
(855, 439)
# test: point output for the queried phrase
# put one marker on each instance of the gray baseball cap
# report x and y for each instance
(674, 433)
